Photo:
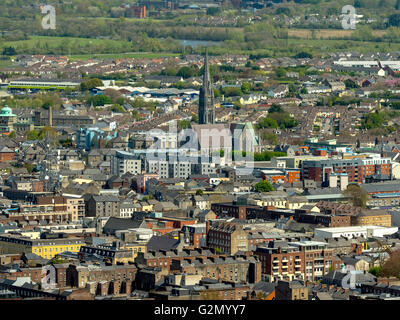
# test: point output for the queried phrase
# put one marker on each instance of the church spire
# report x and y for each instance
(206, 76)
(206, 98)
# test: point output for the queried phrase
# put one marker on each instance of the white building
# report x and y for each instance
(354, 232)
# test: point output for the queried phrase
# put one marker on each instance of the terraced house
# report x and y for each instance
(45, 248)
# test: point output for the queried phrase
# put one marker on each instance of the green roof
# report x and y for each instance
(6, 112)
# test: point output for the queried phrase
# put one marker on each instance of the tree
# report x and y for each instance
(267, 123)
(363, 33)
(9, 51)
(376, 271)
(232, 91)
(391, 268)
(66, 143)
(90, 84)
(30, 167)
(246, 87)
(394, 20)
(100, 100)
(47, 130)
(212, 11)
(117, 108)
(280, 72)
(357, 195)
(271, 138)
(185, 72)
(46, 105)
(199, 192)
(304, 90)
(12, 134)
(113, 94)
(275, 108)
(264, 186)
(237, 105)
(303, 55)
(372, 120)
(350, 84)
(32, 135)
(283, 10)
(183, 124)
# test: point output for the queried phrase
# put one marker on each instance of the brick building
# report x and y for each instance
(226, 237)
(195, 235)
(102, 206)
(230, 210)
(163, 258)
(358, 170)
(6, 154)
(281, 261)
(102, 279)
(372, 218)
(296, 290)
(319, 259)
(237, 269)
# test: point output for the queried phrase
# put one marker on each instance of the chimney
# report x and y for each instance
(208, 225)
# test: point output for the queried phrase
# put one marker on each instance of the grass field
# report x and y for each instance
(138, 55)
(327, 33)
(69, 43)
(57, 41)
(5, 63)
(323, 42)
(326, 45)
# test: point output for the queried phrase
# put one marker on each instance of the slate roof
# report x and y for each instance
(114, 224)
(157, 243)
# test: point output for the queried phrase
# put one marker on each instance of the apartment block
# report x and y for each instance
(226, 237)
(281, 262)
(358, 170)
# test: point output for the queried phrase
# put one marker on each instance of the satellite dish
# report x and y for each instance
(46, 177)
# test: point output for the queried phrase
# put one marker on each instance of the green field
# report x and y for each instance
(137, 55)
(89, 48)
(326, 45)
(61, 40)
(5, 63)
(69, 44)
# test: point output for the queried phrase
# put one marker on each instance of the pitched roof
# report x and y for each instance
(114, 224)
(157, 243)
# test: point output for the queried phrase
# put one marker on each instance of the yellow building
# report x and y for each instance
(135, 248)
(45, 248)
(372, 218)
(146, 207)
